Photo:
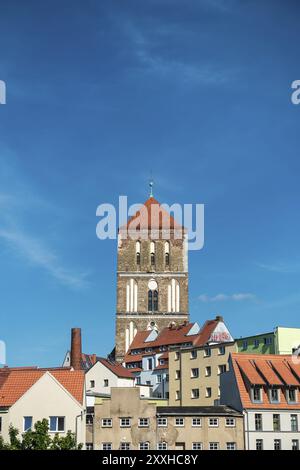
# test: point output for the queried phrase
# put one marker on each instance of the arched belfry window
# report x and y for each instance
(174, 296)
(167, 253)
(152, 253)
(138, 252)
(131, 296)
(153, 300)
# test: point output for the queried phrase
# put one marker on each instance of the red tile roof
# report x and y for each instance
(17, 381)
(139, 340)
(206, 332)
(117, 368)
(259, 369)
(173, 335)
(152, 216)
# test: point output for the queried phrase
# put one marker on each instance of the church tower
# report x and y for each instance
(152, 276)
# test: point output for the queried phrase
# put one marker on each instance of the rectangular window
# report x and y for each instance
(295, 444)
(291, 395)
(213, 446)
(57, 423)
(197, 446)
(256, 343)
(177, 355)
(294, 423)
(138, 380)
(162, 446)
(179, 422)
(207, 352)
(162, 422)
(167, 377)
(207, 371)
(221, 369)
(144, 446)
(150, 364)
(193, 354)
(274, 395)
(276, 423)
(258, 422)
(259, 444)
(0, 423)
(221, 351)
(230, 422)
(256, 394)
(195, 393)
(27, 423)
(159, 379)
(143, 422)
(177, 395)
(89, 418)
(195, 373)
(245, 344)
(106, 446)
(89, 446)
(105, 383)
(125, 446)
(268, 340)
(92, 383)
(277, 444)
(125, 422)
(208, 392)
(177, 374)
(213, 422)
(106, 422)
(196, 422)
(230, 445)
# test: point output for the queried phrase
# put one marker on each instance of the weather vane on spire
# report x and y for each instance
(151, 183)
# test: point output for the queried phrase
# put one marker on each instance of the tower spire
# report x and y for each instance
(151, 184)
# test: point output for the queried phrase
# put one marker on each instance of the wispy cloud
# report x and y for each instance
(280, 268)
(238, 297)
(38, 254)
(148, 50)
(19, 207)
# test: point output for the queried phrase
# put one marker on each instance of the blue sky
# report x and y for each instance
(99, 94)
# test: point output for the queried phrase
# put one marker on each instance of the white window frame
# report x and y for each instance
(144, 420)
(194, 372)
(144, 445)
(109, 420)
(196, 422)
(128, 421)
(230, 422)
(216, 446)
(213, 422)
(125, 444)
(195, 393)
(56, 428)
(197, 446)
(179, 422)
(230, 445)
(24, 417)
(106, 446)
(161, 420)
(162, 445)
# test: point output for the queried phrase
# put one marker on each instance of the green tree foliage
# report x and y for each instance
(39, 439)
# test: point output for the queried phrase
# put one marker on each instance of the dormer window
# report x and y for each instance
(274, 395)
(291, 395)
(256, 394)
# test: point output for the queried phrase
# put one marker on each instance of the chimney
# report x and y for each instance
(76, 348)
(219, 318)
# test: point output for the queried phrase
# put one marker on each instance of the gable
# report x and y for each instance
(220, 334)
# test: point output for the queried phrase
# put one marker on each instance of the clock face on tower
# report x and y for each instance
(152, 284)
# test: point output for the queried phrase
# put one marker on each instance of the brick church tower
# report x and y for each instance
(152, 275)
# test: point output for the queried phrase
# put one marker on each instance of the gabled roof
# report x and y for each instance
(206, 332)
(116, 368)
(14, 383)
(152, 216)
(265, 370)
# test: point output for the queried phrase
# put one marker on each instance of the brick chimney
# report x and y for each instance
(76, 348)
(219, 318)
